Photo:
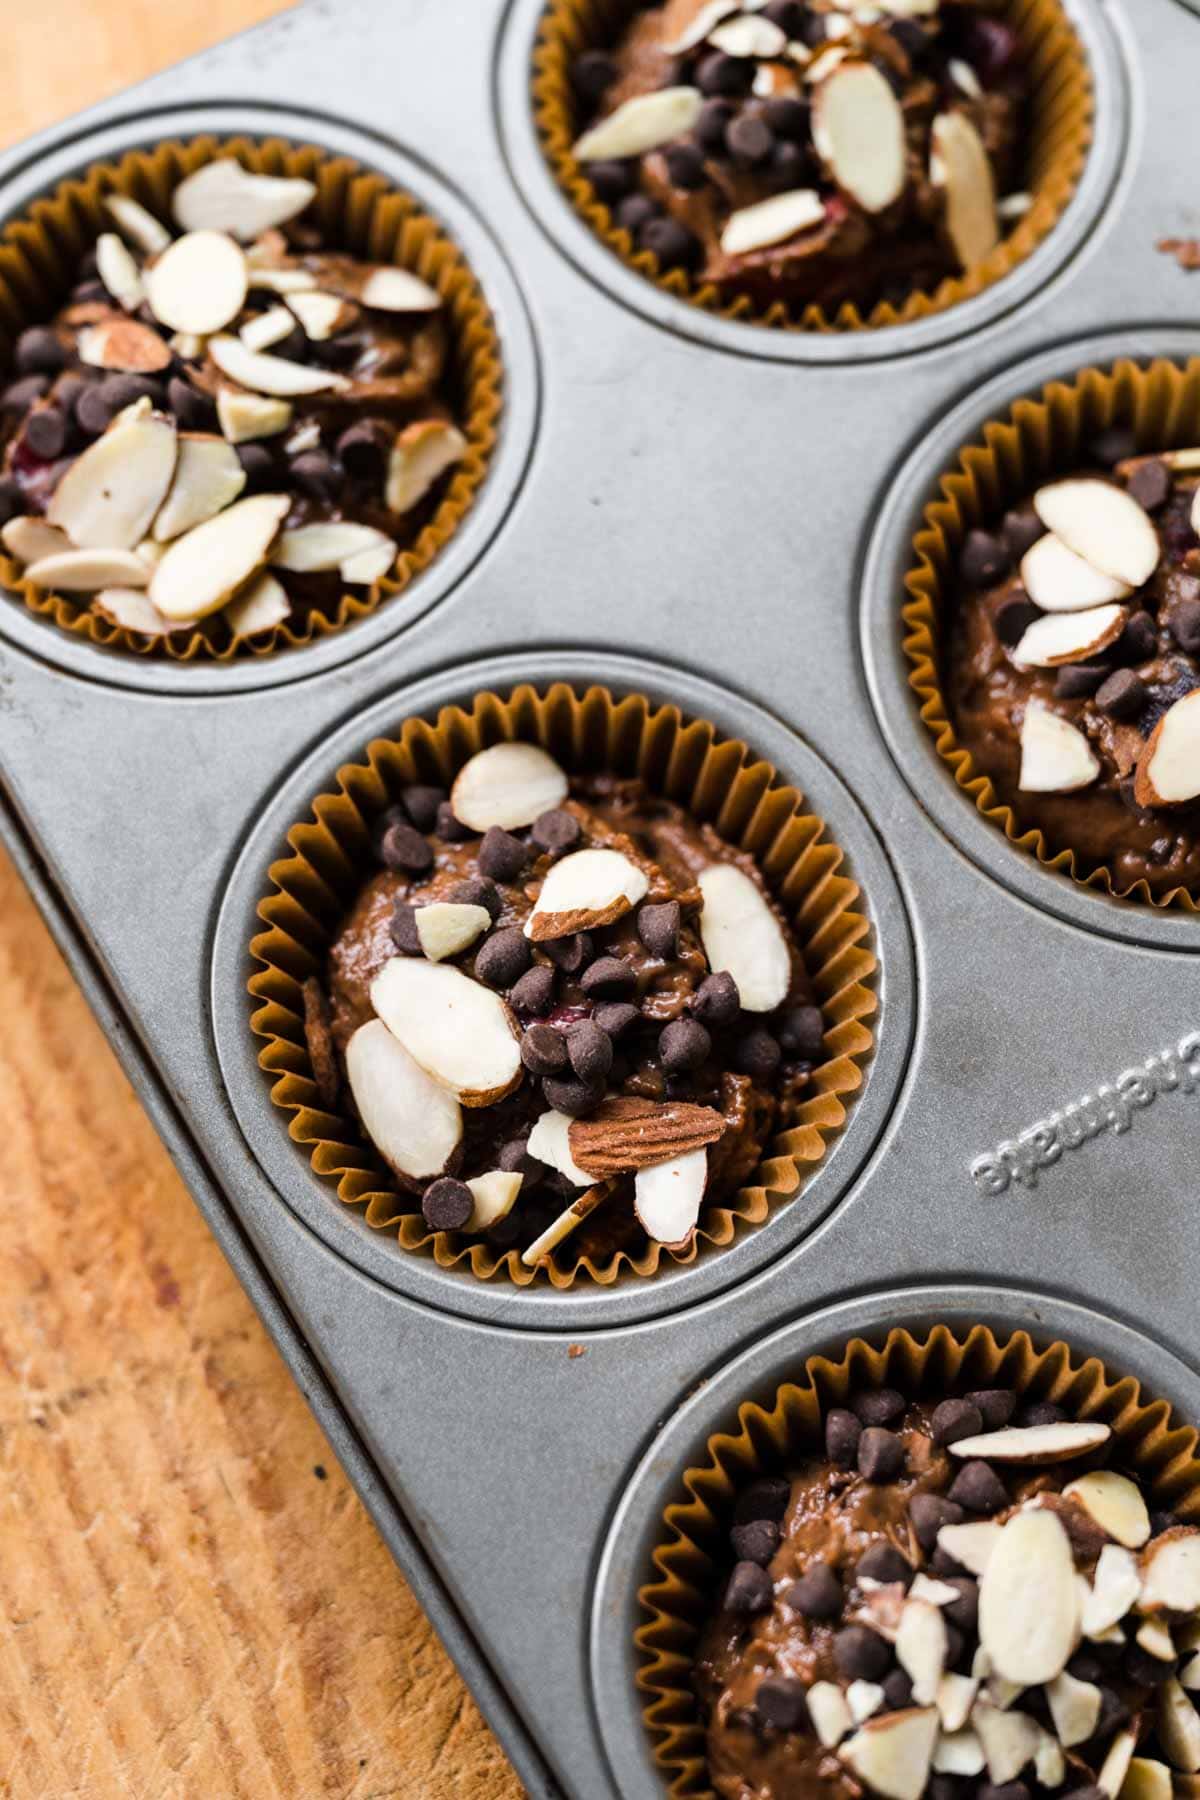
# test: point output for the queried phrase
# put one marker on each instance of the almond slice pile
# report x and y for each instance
(1103, 524)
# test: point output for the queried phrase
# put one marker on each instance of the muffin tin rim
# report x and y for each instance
(1111, 66)
(886, 561)
(653, 1475)
(342, 1229)
(39, 171)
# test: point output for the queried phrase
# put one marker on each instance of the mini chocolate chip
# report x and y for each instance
(503, 958)
(755, 1542)
(257, 463)
(883, 1562)
(571, 1096)
(979, 1489)
(543, 1050)
(592, 72)
(1144, 1669)
(897, 1690)
(717, 1001)
(802, 1033)
(635, 213)
(880, 1454)
(749, 139)
(818, 1594)
(1123, 695)
(403, 847)
(955, 1419)
(1043, 1412)
(615, 1016)
(318, 475)
(780, 1702)
(860, 1654)
(446, 1205)
(787, 167)
(448, 828)
(787, 117)
(749, 1590)
(956, 1643)
(556, 831)
(404, 929)
(672, 243)
(685, 167)
(757, 1054)
(725, 75)
(39, 352)
(1150, 484)
(1085, 1665)
(766, 1498)
(534, 992)
(1022, 529)
(658, 928)
(501, 856)
(12, 501)
(791, 16)
(712, 124)
(878, 1406)
(570, 953)
(93, 414)
(941, 1787)
(1113, 1712)
(20, 395)
(1013, 617)
(1139, 640)
(963, 1612)
(842, 1432)
(363, 449)
(612, 180)
(942, 1563)
(193, 410)
(683, 1045)
(1115, 445)
(1185, 626)
(477, 890)
(1076, 681)
(985, 559)
(928, 1513)
(46, 433)
(126, 390)
(608, 978)
(1004, 1790)
(590, 1050)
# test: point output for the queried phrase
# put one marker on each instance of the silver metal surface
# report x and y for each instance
(668, 513)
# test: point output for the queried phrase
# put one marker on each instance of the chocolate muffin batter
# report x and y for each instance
(754, 133)
(1115, 696)
(827, 1557)
(622, 1015)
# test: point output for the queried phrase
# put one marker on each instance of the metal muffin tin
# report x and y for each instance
(678, 509)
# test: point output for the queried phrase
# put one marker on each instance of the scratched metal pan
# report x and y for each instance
(636, 530)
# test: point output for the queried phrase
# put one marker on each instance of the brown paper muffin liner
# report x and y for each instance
(1059, 139)
(1038, 438)
(716, 779)
(677, 1603)
(358, 211)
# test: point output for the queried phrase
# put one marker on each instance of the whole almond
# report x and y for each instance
(624, 1134)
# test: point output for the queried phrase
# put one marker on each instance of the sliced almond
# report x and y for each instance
(971, 1545)
(208, 478)
(1059, 581)
(414, 1123)
(509, 785)
(119, 272)
(29, 539)
(370, 564)
(1147, 1780)
(246, 417)
(667, 1198)
(1049, 1763)
(321, 315)
(893, 1754)
(959, 1753)
(1069, 637)
(1028, 1605)
(748, 36)
(1115, 1766)
(1056, 757)
(1156, 1640)
(742, 937)
(921, 1649)
(205, 567)
(109, 496)
(585, 891)
(1009, 1739)
(387, 289)
(124, 347)
(642, 124)
(1074, 1707)
(1171, 1571)
(494, 1195)
(273, 375)
(829, 1711)
(772, 221)
(1189, 1675)
(305, 437)
(549, 1142)
(285, 281)
(858, 131)
(1035, 1443)
(199, 283)
(459, 1030)
(955, 1698)
(864, 1698)
(1002, 1693)
(88, 571)
(132, 609)
(962, 168)
(188, 345)
(1168, 773)
(142, 229)
(268, 328)
(1179, 1727)
(447, 927)
(964, 78)
(567, 1221)
(1116, 1587)
(1115, 1503)
(260, 606)
(1011, 207)
(420, 455)
(937, 1593)
(1102, 523)
(358, 552)
(695, 33)
(222, 196)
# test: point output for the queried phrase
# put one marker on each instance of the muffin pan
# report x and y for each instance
(663, 517)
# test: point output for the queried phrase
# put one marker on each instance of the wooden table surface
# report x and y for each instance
(194, 1604)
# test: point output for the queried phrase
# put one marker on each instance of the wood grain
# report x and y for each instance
(194, 1604)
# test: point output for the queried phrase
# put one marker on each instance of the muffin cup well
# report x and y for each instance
(1040, 437)
(359, 211)
(678, 1601)
(719, 780)
(1063, 109)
